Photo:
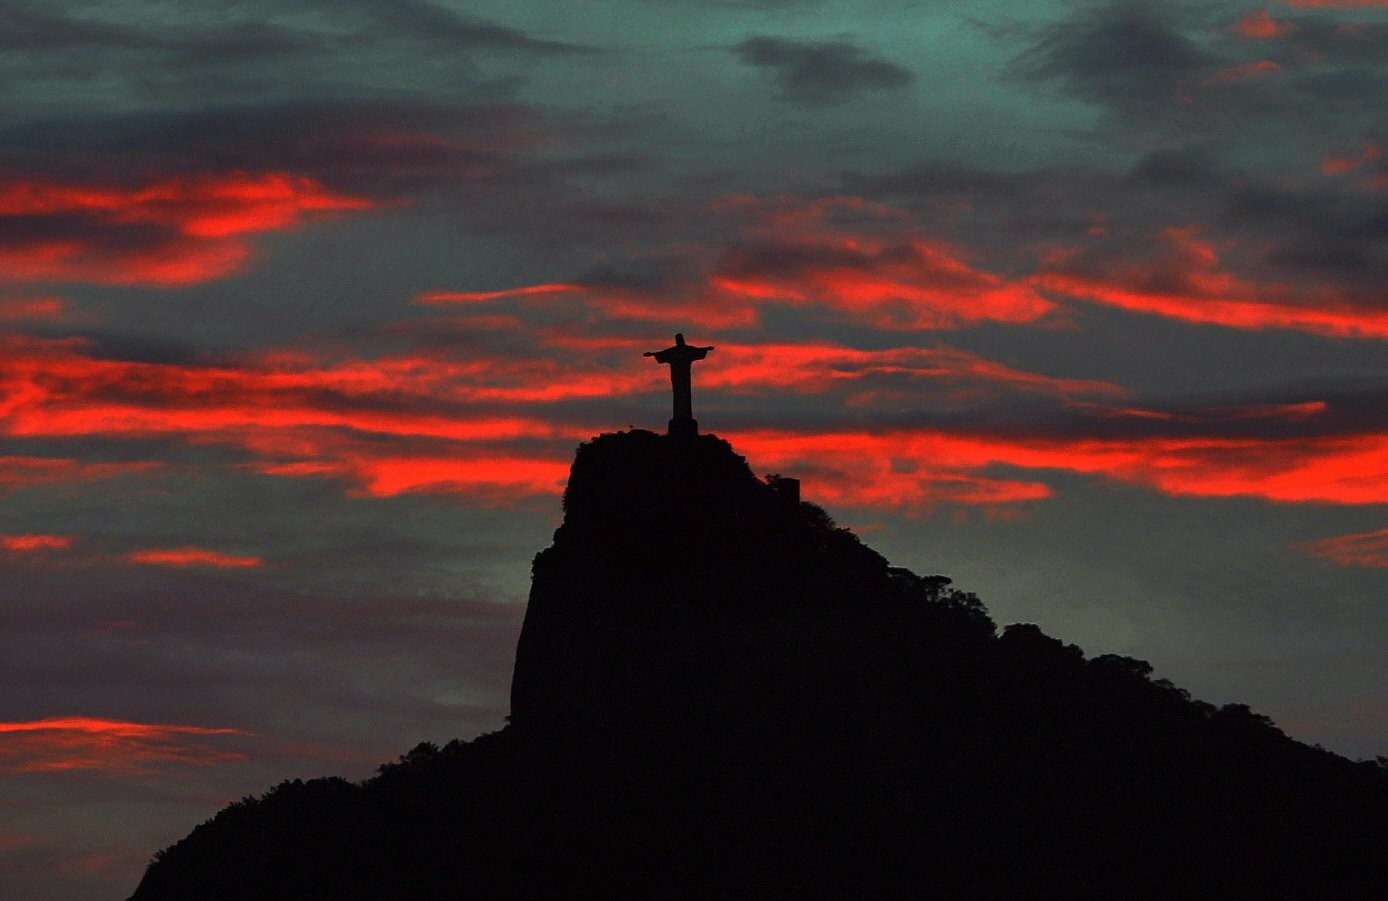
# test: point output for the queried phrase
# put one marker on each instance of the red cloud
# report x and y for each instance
(192, 556)
(1362, 549)
(442, 297)
(906, 468)
(1187, 283)
(11, 842)
(1340, 165)
(53, 388)
(378, 425)
(820, 367)
(56, 390)
(173, 232)
(24, 472)
(1261, 26)
(857, 258)
(903, 286)
(18, 309)
(864, 259)
(1262, 68)
(912, 284)
(1294, 412)
(298, 416)
(67, 744)
(501, 476)
(26, 544)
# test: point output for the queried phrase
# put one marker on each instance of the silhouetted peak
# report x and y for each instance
(640, 478)
(675, 574)
(718, 693)
(652, 520)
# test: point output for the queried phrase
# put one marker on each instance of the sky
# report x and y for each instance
(305, 307)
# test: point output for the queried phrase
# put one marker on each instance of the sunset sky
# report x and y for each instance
(305, 307)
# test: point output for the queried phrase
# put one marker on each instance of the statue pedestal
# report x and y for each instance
(684, 428)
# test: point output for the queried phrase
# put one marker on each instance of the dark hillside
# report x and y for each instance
(718, 694)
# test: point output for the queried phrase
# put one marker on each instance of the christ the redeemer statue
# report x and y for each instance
(680, 357)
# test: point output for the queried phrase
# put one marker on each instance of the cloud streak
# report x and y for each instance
(113, 747)
(1369, 549)
(167, 233)
(904, 469)
(180, 557)
(1183, 279)
(19, 472)
(34, 543)
(821, 73)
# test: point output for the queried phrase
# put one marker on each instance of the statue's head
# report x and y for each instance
(679, 337)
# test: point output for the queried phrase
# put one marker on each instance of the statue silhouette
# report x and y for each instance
(680, 357)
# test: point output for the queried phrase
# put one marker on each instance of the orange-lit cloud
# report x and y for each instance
(443, 297)
(76, 744)
(192, 556)
(1262, 68)
(815, 367)
(172, 263)
(378, 427)
(23, 472)
(1340, 165)
(911, 284)
(19, 309)
(1293, 412)
(497, 475)
(906, 468)
(299, 417)
(1361, 549)
(1260, 26)
(853, 257)
(892, 285)
(12, 842)
(1189, 284)
(31, 543)
(178, 231)
(55, 389)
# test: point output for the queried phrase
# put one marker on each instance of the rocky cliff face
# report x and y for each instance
(675, 576)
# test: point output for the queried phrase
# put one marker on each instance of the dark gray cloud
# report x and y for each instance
(431, 23)
(1319, 231)
(491, 164)
(31, 27)
(256, 53)
(359, 143)
(1191, 167)
(821, 73)
(1123, 55)
(1165, 73)
(28, 31)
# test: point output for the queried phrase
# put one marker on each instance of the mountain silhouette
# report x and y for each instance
(719, 694)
